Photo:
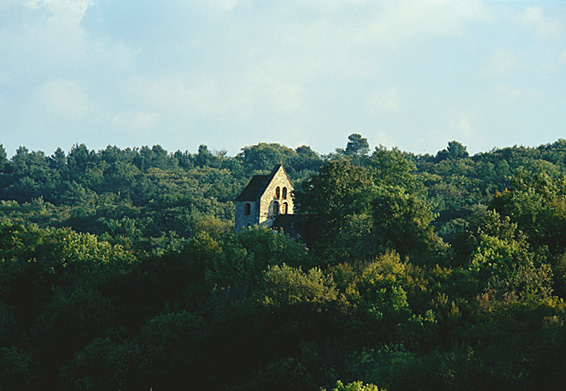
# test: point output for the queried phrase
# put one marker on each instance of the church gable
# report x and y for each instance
(276, 199)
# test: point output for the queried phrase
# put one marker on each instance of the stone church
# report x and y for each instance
(266, 202)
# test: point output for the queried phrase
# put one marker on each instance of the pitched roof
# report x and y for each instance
(257, 185)
(254, 189)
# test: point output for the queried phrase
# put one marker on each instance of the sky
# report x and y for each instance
(412, 74)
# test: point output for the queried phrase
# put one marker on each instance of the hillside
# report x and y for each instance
(120, 270)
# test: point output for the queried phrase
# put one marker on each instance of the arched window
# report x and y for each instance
(247, 209)
(277, 192)
(284, 193)
(275, 208)
(284, 207)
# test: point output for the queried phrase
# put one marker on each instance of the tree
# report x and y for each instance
(391, 168)
(264, 156)
(3, 157)
(455, 150)
(379, 296)
(174, 343)
(18, 370)
(284, 286)
(236, 269)
(67, 323)
(355, 386)
(107, 364)
(328, 200)
(306, 152)
(537, 205)
(307, 160)
(155, 157)
(353, 212)
(403, 222)
(79, 158)
(357, 145)
(58, 160)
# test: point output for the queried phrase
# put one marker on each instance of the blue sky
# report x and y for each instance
(230, 73)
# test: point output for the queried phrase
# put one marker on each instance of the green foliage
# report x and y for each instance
(71, 319)
(538, 207)
(284, 285)
(355, 386)
(174, 344)
(328, 200)
(379, 296)
(119, 270)
(18, 369)
(403, 223)
(237, 269)
(263, 156)
(3, 156)
(352, 211)
(455, 150)
(357, 145)
(391, 168)
(106, 363)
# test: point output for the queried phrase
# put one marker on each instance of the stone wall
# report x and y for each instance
(241, 220)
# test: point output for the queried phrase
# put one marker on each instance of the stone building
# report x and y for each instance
(265, 201)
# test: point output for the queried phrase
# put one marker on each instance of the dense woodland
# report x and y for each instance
(120, 270)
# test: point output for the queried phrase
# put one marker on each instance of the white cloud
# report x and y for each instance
(134, 120)
(463, 125)
(384, 100)
(544, 26)
(223, 5)
(62, 98)
(500, 63)
(46, 38)
(506, 94)
(229, 69)
(114, 56)
(422, 18)
(267, 85)
(63, 12)
(178, 94)
(262, 89)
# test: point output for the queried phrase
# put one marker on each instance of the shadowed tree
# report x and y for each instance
(455, 150)
(328, 200)
(3, 156)
(357, 145)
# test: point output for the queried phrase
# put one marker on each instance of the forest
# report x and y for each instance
(120, 270)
